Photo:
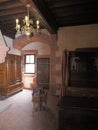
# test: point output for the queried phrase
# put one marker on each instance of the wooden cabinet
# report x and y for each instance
(78, 113)
(10, 75)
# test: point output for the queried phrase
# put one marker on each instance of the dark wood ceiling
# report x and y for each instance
(51, 13)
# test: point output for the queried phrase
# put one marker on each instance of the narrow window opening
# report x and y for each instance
(29, 63)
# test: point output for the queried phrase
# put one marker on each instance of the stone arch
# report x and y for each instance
(51, 41)
(22, 41)
(42, 48)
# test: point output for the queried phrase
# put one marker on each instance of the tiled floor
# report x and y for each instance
(20, 115)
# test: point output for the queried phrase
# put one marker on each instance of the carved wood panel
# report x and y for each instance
(83, 69)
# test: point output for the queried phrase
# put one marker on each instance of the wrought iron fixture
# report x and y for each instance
(28, 25)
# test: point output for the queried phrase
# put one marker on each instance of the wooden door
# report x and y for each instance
(43, 69)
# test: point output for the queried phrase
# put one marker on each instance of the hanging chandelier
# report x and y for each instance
(28, 25)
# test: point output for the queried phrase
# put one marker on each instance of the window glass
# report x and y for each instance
(32, 59)
(29, 63)
(29, 68)
(27, 58)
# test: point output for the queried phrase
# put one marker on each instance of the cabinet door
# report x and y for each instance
(18, 68)
(43, 69)
(2, 75)
(10, 69)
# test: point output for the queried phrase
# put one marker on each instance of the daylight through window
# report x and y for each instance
(30, 63)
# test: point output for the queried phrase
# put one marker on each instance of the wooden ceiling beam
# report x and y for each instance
(10, 4)
(60, 13)
(77, 20)
(7, 30)
(62, 3)
(4, 1)
(12, 17)
(76, 8)
(12, 11)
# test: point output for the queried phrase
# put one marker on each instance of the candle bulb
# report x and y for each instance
(17, 20)
(37, 22)
(18, 26)
(27, 20)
